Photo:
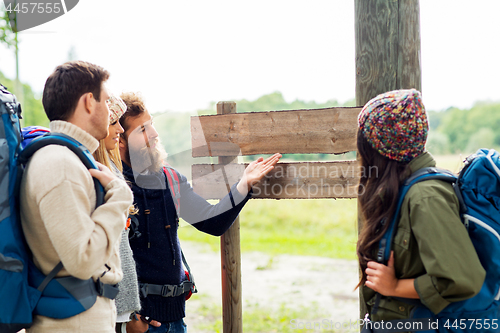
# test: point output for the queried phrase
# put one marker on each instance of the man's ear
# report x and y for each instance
(89, 101)
(122, 143)
(123, 148)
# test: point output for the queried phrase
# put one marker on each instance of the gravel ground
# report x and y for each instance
(269, 282)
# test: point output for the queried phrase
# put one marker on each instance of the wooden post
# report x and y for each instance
(230, 256)
(387, 47)
(387, 34)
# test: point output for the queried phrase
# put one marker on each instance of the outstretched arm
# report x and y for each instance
(255, 171)
(216, 219)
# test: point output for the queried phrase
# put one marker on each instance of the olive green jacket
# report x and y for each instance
(432, 246)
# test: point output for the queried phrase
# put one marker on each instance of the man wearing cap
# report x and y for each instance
(58, 198)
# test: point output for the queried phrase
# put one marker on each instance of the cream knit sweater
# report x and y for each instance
(61, 223)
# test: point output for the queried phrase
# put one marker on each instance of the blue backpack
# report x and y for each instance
(478, 190)
(24, 290)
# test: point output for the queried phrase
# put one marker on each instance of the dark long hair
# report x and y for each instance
(378, 194)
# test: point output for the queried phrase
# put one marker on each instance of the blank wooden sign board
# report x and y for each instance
(326, 131)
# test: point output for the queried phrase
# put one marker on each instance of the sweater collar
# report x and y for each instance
(64, 127)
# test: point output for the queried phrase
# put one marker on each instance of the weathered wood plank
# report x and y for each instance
(331, 131)
(308, 180)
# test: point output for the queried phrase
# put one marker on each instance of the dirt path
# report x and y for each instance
(270, 282)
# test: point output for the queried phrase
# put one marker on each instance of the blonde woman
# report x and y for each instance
(127, 302)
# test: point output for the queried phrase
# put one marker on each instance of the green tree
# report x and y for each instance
(32, 108)
(453, 127)
(464, 130)
(273, 102)
(435, 119)
(7, 36)
(461, 125)
(437, 143)
(484, 138)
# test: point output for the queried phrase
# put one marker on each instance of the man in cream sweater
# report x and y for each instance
(58, 198)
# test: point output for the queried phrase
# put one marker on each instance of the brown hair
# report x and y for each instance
(378, 195)
(135, 107)
(67, 84)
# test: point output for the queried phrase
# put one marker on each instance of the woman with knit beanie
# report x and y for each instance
(127, 302)
(433, 259)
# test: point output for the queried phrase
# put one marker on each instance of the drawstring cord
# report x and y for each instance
(146, 214)
(168, 231)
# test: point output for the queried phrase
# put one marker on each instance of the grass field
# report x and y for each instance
(258, 319)
(321, 227)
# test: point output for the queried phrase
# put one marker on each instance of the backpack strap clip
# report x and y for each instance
(106, 290)
(168, 290)
(165, 290)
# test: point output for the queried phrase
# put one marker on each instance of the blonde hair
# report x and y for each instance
(101, 155)
(106, 157)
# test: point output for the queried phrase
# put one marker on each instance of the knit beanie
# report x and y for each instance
(116, 107)
(395, 124)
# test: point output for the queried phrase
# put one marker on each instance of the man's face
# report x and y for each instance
(141, 132)
(100, 119)
(144, 149)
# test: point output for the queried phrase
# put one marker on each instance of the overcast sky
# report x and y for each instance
(184, 54)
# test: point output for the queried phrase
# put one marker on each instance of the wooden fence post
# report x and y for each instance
(230, 256)
(387, 34)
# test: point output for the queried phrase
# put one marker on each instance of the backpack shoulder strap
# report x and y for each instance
(419, 176)
(76, 147)
(173, 184)
(385, 244)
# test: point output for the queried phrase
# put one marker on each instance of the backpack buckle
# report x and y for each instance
(99, 287)
(167, 290)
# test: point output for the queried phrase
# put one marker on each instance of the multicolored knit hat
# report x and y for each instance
(116, 107)
(395, 124)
